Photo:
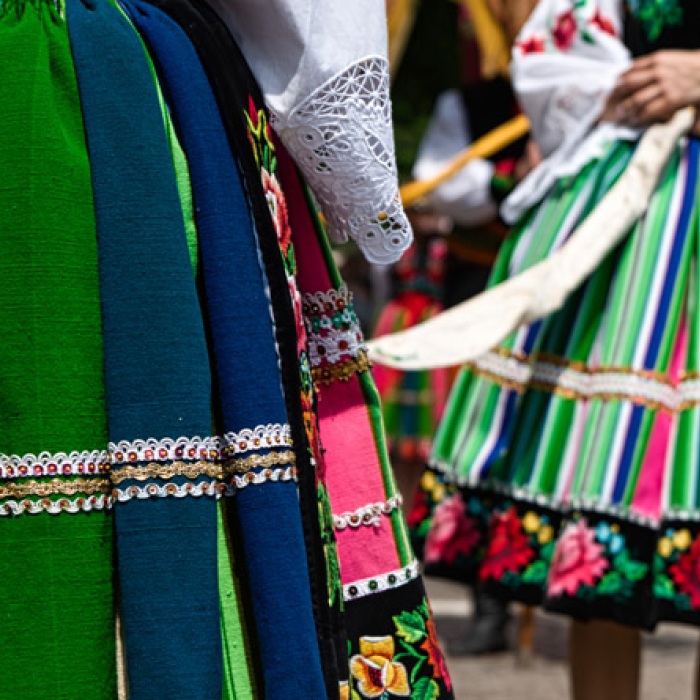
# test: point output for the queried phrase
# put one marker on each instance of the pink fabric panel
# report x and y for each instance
(649, 492)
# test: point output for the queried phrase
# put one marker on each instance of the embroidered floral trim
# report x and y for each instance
(369, 515)
(54, 487)
(657, 15)
(53, 464)
(63, 505)
(329, 306)
(385, 582)
(167, 471)
(342, 139)
(335, 346)
(204, 488)
(344, 371)
(577, 381)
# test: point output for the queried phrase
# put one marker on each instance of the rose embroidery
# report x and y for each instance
(532, 44)
(508, 548)
(686, 574)
(451, 532)
(564, 30)
(578, 560)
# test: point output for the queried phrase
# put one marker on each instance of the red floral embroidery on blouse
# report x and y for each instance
(564, 30)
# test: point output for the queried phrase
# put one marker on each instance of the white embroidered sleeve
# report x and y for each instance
(566, 61)
(323, 69)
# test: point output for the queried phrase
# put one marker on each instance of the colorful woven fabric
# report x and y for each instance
(55, 534)
(562, 470)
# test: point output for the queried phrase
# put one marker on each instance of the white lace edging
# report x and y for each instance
(381, 583)
(370, 515)
(342, 138)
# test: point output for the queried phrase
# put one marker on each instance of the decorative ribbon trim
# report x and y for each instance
(213, 449)
(168, 471)
(207, 449)
(58, 464)
(325, 303)
(379, 584)
(577, 381)
(63, 505)
(247, 463)
(369, 515)
(257, 478)
(54, 487)
(204, 488)
(334, 344)
(343, 371)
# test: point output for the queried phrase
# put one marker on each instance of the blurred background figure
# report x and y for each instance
(458, 232)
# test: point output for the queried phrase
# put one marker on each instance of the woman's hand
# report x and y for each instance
(655, 88)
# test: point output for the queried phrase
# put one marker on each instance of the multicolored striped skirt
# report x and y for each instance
(165, 465)
(565, 471)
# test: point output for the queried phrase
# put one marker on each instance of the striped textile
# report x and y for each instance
(568, 454)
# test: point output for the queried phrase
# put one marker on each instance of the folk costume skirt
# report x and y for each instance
(161, 462)
(565, 471)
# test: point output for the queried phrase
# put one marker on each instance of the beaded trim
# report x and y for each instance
(343, 371)
(204, 488)
(63, 505)
(53, 487)
(577, 381)
(369, 515)
(379, 584)
(209, 448)
(58, 464)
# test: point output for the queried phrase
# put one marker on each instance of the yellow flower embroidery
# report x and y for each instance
(531, 522)
(546, 534)
(375, 670)
(344, 691)
(439, 492)
(682, 539)
(428, 481)
(665, 547)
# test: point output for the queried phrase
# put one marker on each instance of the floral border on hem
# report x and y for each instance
(367, 516)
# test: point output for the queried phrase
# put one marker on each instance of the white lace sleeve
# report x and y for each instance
(566, 61)
(323, 69)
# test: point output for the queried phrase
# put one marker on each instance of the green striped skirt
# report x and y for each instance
(565, 469)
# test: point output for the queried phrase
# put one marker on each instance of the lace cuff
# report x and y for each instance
(341, 137)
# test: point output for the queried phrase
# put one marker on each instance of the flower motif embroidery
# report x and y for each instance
(532, 44)
(564, 30)
(451, 532)
(436, 659)
(578, 560)
(508, 548)
(376, 671)
(603, 23)
(278, 208)
(686, 573)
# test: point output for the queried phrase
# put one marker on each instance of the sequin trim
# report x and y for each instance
(54, 464)
(64, 505)
(343, 371)
(204, 488)
(367, 516)
(577, 381)
(379, 584)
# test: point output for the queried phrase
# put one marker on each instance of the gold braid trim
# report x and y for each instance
(55, 486)
(343, 371)
(240, 466)
(168, 471)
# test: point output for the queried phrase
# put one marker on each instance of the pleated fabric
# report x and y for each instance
(156, 369)
(56, 592)
(388, 617)
(563, 470)
(247, 383)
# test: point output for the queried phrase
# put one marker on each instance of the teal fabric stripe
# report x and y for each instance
(156, 364)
